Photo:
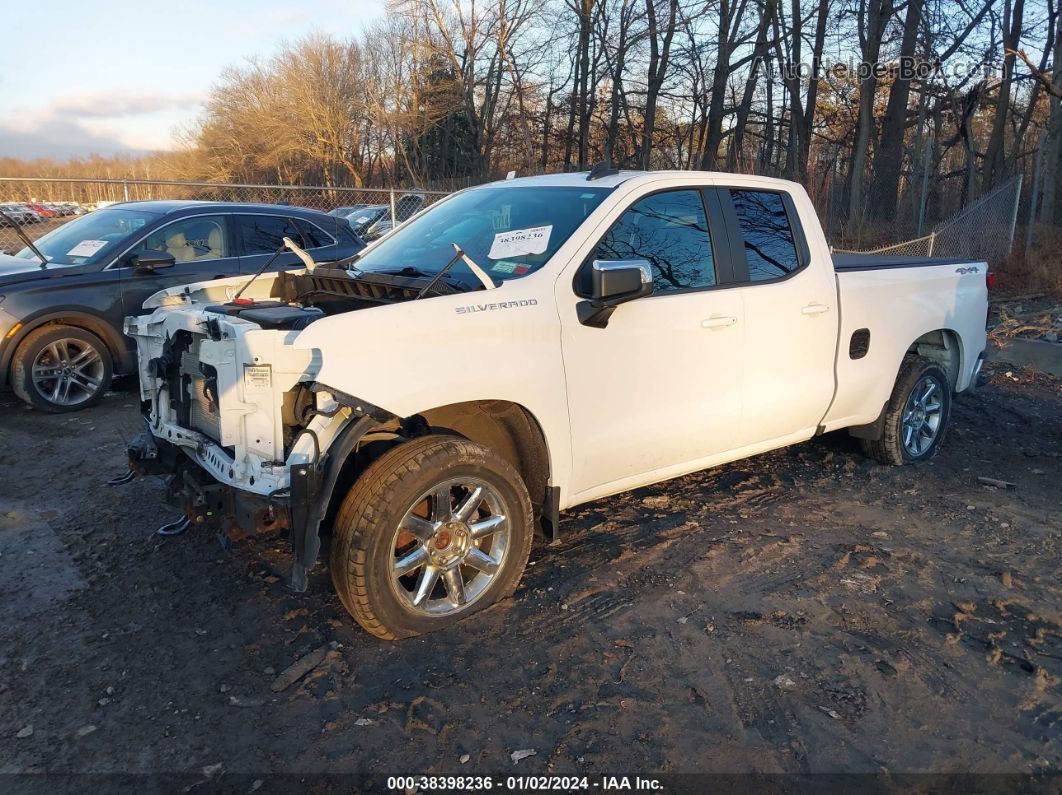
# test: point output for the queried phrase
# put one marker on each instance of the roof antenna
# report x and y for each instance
(602, 169)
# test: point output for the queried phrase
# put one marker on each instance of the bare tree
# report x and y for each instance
(995, 155)
(872, 17)
(660, 33)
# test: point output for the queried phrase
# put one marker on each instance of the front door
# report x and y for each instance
(660, 386)
(203, 248)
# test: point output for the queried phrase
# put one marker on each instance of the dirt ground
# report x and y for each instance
(805, 611)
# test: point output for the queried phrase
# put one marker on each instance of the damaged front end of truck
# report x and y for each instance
(236, 421)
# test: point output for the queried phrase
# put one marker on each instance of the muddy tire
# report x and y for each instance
(916, 416)
(435, 530)
(61, 368)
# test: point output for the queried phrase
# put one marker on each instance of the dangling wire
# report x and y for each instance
(174, 528)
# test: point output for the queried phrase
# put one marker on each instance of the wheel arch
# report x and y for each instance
(508, 428)
(943, 346)
(78, 319)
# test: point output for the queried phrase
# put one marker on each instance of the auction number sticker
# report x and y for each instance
(258, 376)
(86, 248)
(520, 242)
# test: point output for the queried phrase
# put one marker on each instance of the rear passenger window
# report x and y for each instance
(313, 236)
(670, 230)
(770, 249)
(264, 234)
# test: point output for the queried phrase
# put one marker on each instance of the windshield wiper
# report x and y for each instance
(25, 239)
(472, 266)
(477, 271)
(427, 288)
(307, 260)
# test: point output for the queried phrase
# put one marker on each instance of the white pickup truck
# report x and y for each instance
(526, 346)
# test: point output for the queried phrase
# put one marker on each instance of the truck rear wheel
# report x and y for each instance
(435, 530)
(916, 416)
(61, 368)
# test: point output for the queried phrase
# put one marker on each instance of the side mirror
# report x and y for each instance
(151, 260)
(614, 282)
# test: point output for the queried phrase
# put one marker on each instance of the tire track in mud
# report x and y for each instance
(714, 623)
(602, 564)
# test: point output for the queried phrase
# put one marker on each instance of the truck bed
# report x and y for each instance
(844, 261)
(893, 301)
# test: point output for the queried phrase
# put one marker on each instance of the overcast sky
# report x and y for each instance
(103, 76)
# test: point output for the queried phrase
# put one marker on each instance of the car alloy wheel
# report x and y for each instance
(449, 546)
(922, 416)
(67, 372)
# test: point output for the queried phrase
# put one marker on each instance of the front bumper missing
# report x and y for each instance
(300, 509)
(203, 500)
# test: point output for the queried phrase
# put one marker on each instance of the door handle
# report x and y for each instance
(814, 309)
(719, 321)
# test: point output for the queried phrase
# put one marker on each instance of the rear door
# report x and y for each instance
(791, 316)
(203, 247)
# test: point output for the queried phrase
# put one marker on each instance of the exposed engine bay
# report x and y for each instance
(235, 416)
(298, 299)
(336, 290)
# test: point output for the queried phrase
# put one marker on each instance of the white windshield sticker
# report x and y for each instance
(520, 242)
(86, 248)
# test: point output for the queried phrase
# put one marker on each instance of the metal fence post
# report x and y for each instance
(932, 240)
(394, 215)
(1030, 233)
(125, 189)
(1014, 215)
(925, 186)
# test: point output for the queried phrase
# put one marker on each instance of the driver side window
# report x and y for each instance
(203, 237)
(670, 231)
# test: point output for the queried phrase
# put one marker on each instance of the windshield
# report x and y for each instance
(365, 216)
(90, 239)
(507, 231)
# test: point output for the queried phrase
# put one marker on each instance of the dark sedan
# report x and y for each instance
(61, 319)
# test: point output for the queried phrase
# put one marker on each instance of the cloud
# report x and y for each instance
(94, 123)
(286, 16)
(60, 142)
(274, 22)
(101, 104)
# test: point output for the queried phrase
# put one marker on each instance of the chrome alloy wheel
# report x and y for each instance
(449, 546)
(67, 372)
(922, 416)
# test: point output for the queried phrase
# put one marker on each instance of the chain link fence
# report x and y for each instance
(982, 231)
(35, 206)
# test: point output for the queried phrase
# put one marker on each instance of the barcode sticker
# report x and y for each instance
(258, 376)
